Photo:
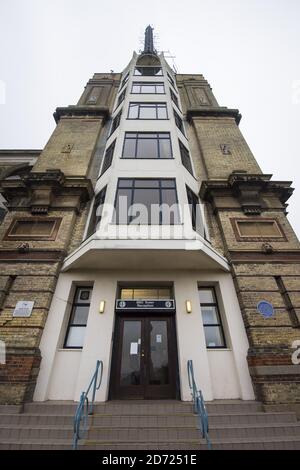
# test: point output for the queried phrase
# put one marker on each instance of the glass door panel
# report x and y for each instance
(131, 352)
(159, 354)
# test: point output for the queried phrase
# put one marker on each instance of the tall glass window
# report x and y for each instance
(174, 98)
(78, 319)
(116, 122)
(148, 88)
(156, 199)
(147, 111)
(213, 329)
(96, 212)
(185, 157)
(179, 122)
(121, 97)
(108, 157)
(147, 145)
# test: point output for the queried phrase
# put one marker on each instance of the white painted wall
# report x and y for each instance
(219, 373)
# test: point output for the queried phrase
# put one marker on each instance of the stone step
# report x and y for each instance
(282, 443)
(12, 409)
(182, 419)
(178, 433)
(144, 407)
(152, 434)
(161, 419)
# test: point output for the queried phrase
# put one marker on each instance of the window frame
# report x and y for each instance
(121, 98)
(140, 84)
(148, 67)
(150, 104)
(174, 98)
(132, 187)
(210, 325)
(183, 149)
(181, 127)
(75, 325)
(124, 80)
(171, 80)
(115, 122)
(108, 158)
(136, 146)
(94, 220)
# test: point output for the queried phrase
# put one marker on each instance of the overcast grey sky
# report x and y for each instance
(249, 51)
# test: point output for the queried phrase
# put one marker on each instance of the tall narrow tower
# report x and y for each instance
(146, 235)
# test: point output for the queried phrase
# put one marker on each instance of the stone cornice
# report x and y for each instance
(247, 188)
(101, 112)
(39, 190)
(212, 111)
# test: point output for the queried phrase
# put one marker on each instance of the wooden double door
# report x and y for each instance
(144, 362)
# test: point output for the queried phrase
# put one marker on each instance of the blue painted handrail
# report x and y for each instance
(84, 408)
(198, 404)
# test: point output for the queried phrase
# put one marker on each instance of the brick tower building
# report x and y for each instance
(218, 283)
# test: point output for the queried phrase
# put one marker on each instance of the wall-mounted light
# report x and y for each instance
(102, 306)
(188, 305)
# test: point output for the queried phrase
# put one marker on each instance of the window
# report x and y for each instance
(121, 97)
(146, 293)
(295, 320)
(179, 122)
(148, 87)
(185, 157)
(213, 329)
(194, 207)
(147, 145)
(116, 122)
(149, 194)
(97, 212)
(171, 80)
(78, 318)
(33, 228)
(108, 157)
(174, 98)
(148, 71)
(147, 111)
(266, 228)
(125, 80)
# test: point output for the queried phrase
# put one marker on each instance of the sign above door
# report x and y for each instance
(160, 305)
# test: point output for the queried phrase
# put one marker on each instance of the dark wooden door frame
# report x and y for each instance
(144, 391)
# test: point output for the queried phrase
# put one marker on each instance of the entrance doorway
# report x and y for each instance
(144, 362)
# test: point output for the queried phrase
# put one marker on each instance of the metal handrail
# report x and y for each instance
(198, 404)
(84, 408)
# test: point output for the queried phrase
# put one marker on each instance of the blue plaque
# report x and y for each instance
(265, 308)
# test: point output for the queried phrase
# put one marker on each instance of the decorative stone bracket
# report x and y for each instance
(102, 112)
(247, 188)
(216, 111)
(40, 191)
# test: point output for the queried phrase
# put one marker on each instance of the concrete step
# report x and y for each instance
(179, 419)
(282, 443)
(144, 407)
(176, 433)
(151, 434)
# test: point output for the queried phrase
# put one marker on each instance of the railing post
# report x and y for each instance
(89, 407)
(198, 403)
